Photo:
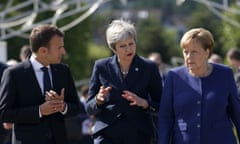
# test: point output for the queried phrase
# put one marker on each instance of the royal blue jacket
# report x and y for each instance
(197, 110)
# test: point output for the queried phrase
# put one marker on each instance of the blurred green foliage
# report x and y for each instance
(153, 37)
(86, 42)
(230, 34)
(202, 17)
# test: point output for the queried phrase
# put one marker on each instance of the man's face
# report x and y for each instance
(56, 50)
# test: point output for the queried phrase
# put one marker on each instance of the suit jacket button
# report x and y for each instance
(119, 115)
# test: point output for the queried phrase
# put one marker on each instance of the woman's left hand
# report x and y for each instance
(134, 99)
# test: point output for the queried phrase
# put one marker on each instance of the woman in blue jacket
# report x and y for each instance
(200, 104)
(123, 90)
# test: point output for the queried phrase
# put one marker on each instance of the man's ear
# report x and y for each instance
(43, 50)
(208, 51)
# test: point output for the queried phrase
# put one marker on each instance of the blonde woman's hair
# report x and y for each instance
(199, 35)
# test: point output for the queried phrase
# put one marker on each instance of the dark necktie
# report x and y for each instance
(46, 80)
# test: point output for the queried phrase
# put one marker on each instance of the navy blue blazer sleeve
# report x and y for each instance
(155, 89)
(95, 84)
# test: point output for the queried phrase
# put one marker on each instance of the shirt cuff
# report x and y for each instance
(65, 111)
(40, 115)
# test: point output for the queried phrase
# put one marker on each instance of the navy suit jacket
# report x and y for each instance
(143, 79)
(3, 66)
(21, 96)
(3, 132)
(197, 110)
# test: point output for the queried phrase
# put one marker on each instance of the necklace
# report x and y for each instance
(124, 70)
(124, 73)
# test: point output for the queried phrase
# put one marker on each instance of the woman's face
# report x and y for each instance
(195, 56)
(126, 49)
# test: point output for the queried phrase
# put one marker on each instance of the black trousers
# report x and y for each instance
(121, 131)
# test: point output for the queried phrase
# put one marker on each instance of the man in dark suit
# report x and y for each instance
(38, 113)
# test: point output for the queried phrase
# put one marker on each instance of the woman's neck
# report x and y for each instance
(204, 72)
(124, 66)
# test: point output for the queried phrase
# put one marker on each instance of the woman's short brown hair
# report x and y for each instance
(200, 35)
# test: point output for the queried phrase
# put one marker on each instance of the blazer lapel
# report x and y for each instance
(54, 76)
(58, 78)
(193, 82)
(115, 68)
(30, 73)
(135, 72)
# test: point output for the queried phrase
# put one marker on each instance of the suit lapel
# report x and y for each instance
(59, 77)
(54, 76)
(29, 72)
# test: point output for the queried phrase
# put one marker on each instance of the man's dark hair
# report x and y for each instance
(234, 53)
(41, 35)
(25, 52)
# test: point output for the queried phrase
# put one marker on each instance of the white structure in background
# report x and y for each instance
(24, 21)
(218, 7)
(3, 51)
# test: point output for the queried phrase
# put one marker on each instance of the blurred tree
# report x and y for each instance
(14, 45)
(76, 44)
(137, 4)
(203, 17)
(230, 34)
(153, 37)
(159, 32)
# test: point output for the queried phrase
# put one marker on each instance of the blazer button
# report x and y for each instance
(119, 115)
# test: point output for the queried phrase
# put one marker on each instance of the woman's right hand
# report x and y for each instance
(100, 97)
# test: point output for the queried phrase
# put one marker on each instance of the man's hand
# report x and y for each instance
(54, 103)
(7, 126)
